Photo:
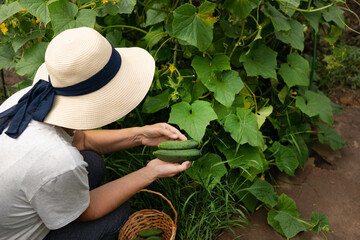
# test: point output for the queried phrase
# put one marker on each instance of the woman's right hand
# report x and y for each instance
(162, 169)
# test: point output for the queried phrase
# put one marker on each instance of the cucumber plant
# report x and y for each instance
(233, 75)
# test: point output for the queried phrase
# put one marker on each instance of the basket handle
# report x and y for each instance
(167, 200)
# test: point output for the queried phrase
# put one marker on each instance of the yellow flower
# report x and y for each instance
(23, 10)
(3, 28)
(105, 1)
(172, 69)
(37, 20)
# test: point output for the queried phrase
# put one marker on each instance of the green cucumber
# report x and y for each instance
(154, 238)
(150, 232)
(178, 155)
(187, 144)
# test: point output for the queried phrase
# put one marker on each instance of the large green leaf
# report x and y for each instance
(313, 104)
(288, 205)
(249, 159)
(261, 60)
(285, 158)
(241, 8)
(294, 37)
(31, 60)
(279, 21)
(65, 15)
(314, 19)
(123, 6)
(20, 40)
(208, 170)
(243, 127)
(9, 9)
(334, 14)
(224, 84)
(264, 192)
(38, 8)
(328, 135)
(192, 118)
(7, 56)
(296, 71)
(262, 114)
(155, 11)
(320, 222)
(153, 104)
(194, 27)
(290, 225)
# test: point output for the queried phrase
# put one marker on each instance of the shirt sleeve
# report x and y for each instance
(63, 198)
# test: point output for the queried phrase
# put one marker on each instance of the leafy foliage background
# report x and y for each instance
(233, 74)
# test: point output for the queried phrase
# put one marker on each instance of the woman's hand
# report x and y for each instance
(152, 135)
(159, 169)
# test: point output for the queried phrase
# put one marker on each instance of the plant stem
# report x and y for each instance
(127, 26)
(3, 83)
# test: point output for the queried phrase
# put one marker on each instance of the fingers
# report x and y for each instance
(173, 132)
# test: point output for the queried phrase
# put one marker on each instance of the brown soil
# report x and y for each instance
(328, 184)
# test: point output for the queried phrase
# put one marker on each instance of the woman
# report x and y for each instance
(50, 168)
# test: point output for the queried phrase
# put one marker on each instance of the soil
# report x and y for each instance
(329, 183)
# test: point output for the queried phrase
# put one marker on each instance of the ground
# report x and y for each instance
(328, 184)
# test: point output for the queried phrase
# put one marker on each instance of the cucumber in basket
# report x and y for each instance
(150, 232)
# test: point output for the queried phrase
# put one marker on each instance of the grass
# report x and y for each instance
(202, 213)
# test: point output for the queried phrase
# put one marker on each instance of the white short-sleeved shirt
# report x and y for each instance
(43, 181)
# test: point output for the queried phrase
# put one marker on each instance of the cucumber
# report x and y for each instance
(177, 155)
(150, 232)
(187, 144)
(154, 238)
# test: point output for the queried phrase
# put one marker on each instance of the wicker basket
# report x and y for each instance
(149, 219)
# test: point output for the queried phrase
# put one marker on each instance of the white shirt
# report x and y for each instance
(43, 181)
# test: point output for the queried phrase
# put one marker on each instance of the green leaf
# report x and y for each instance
(333, 35)
(64, 15)
(19, 41)
(274, 223)
(288, 205)
(285, 158)
(156, 103)
(241, 8)
(294, 37)
(208, 170)
(296, 71)
(260, 60)
(194, 27)
(123, 6)
(9, 9)
(328, 135)
(7, 55)
(222, 112)
(31, 60)
(155, 12)
(38, 8)
(320, 222)
(243, 127)
(225, 84)
(154, 35)
(279, 21)
(334, 14)
(192, 118)
(314, 19)
(290, 225)
(249, 159)
(264, 192)
(116, 39)
(314, 104)
(262, 114)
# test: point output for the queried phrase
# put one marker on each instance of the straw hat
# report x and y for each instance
(77, 54)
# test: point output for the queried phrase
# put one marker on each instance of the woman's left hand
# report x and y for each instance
(152, 135)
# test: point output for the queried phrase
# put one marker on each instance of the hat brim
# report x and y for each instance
(111, 102)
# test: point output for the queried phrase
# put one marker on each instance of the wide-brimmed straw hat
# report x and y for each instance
(77, 54)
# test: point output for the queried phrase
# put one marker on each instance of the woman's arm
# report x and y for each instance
(107, 141)
(110, 196)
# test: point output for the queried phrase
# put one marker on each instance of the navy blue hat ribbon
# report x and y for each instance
(38, 101)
